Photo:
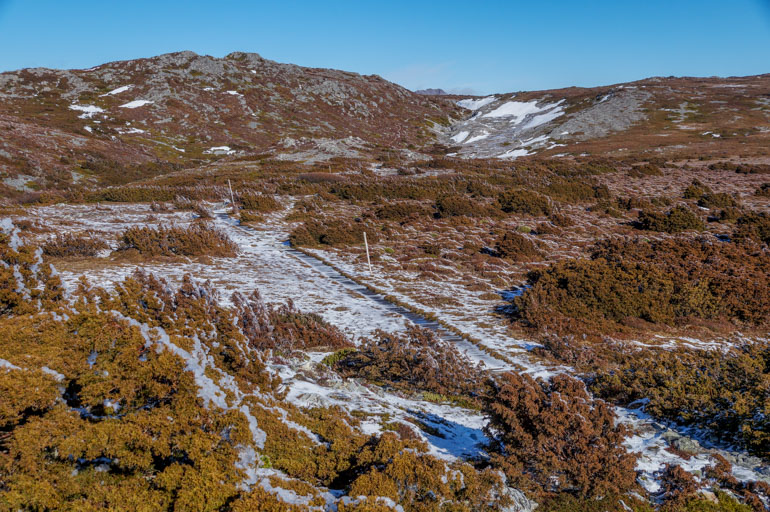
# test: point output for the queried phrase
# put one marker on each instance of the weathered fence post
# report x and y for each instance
(368, 260)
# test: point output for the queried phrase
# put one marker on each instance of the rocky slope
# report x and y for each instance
(665, 116)
(187, 108)
(130, 120)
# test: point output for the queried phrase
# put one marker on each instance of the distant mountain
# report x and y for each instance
(432, 92)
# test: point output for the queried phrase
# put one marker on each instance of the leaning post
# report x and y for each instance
(368, 260)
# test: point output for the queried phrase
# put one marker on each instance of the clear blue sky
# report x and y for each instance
(492, 46)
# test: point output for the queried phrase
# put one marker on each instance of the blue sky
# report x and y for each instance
(493, 46)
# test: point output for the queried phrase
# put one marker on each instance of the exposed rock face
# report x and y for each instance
(656, 115)
(507, 127)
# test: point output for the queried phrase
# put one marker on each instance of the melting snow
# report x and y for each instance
(519, 110)
(88, 110)
(8, 365)
(56, 375)
(220, 150)
(514, 153)
(460, 137)
(476, 104)
(130, 131)
(477, 138)
(516, 109)
(543, 118)
(136, 103)
(123, 88)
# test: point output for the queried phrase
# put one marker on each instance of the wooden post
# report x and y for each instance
(232, 198)
(368, 260)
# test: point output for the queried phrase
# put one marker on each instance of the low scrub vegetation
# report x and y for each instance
(284, 327)
(150, 398)
(551, 437)
(68, 245)
(524, 201)
(196, 240)
(402, 211)
(516, 247)
(331, 232)
(754, 226)
(415, 360)
(262, 203)
(456, 205)
(678, 219)
(724, 392)
(672, 282)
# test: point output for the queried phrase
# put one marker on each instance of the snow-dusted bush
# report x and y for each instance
(196, 240)
(414, 361)
(551, 437)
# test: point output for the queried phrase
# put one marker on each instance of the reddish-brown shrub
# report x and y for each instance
(284, 327)
(551, 436)
(262, 203)
(664, 281)
(680, 218)
(65, 245)
(524, 201)
(331, 232)
(196, 240)
(517, 247)
(415, 360)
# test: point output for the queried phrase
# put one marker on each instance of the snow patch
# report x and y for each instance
(460, 137)
(477, 138)
(136, 104)
(514, 153)
(8, 365)
(88, 110)
(543, 118)
(476, 104)
(56, 375)
(220, 150)
(120, 89)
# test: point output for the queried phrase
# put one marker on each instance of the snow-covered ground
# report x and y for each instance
(266, 263)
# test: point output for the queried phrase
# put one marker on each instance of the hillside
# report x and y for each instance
(63, 126)
(662, 117)
(129, 120)
(238, 285)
